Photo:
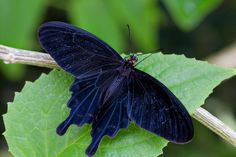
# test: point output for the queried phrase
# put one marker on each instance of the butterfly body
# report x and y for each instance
(130, 62)
(109, 92)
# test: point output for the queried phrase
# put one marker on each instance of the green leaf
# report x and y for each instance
(108, 19)
(35, 113)
(189, 13)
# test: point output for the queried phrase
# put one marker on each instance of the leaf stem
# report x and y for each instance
(17, 56)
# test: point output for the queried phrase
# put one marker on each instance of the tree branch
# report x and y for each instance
(216, 125)
(17, 56)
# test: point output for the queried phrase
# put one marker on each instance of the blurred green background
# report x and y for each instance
(196, 28)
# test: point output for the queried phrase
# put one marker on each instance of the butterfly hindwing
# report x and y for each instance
(111, 117)
(75, 50)
(87, 97)
(155, 108)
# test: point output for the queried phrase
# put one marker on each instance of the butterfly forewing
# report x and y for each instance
(155, 108)
(76, 50)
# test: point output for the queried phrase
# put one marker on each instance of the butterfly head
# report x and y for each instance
(130, 62)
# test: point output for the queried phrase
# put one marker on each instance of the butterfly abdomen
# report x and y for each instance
(111, 90)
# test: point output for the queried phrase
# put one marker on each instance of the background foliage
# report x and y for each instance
(195, 28)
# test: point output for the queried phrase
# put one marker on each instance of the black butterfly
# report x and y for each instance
(109, 92)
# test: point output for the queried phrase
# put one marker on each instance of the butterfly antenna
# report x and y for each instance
(143, 59)
(130, 41)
